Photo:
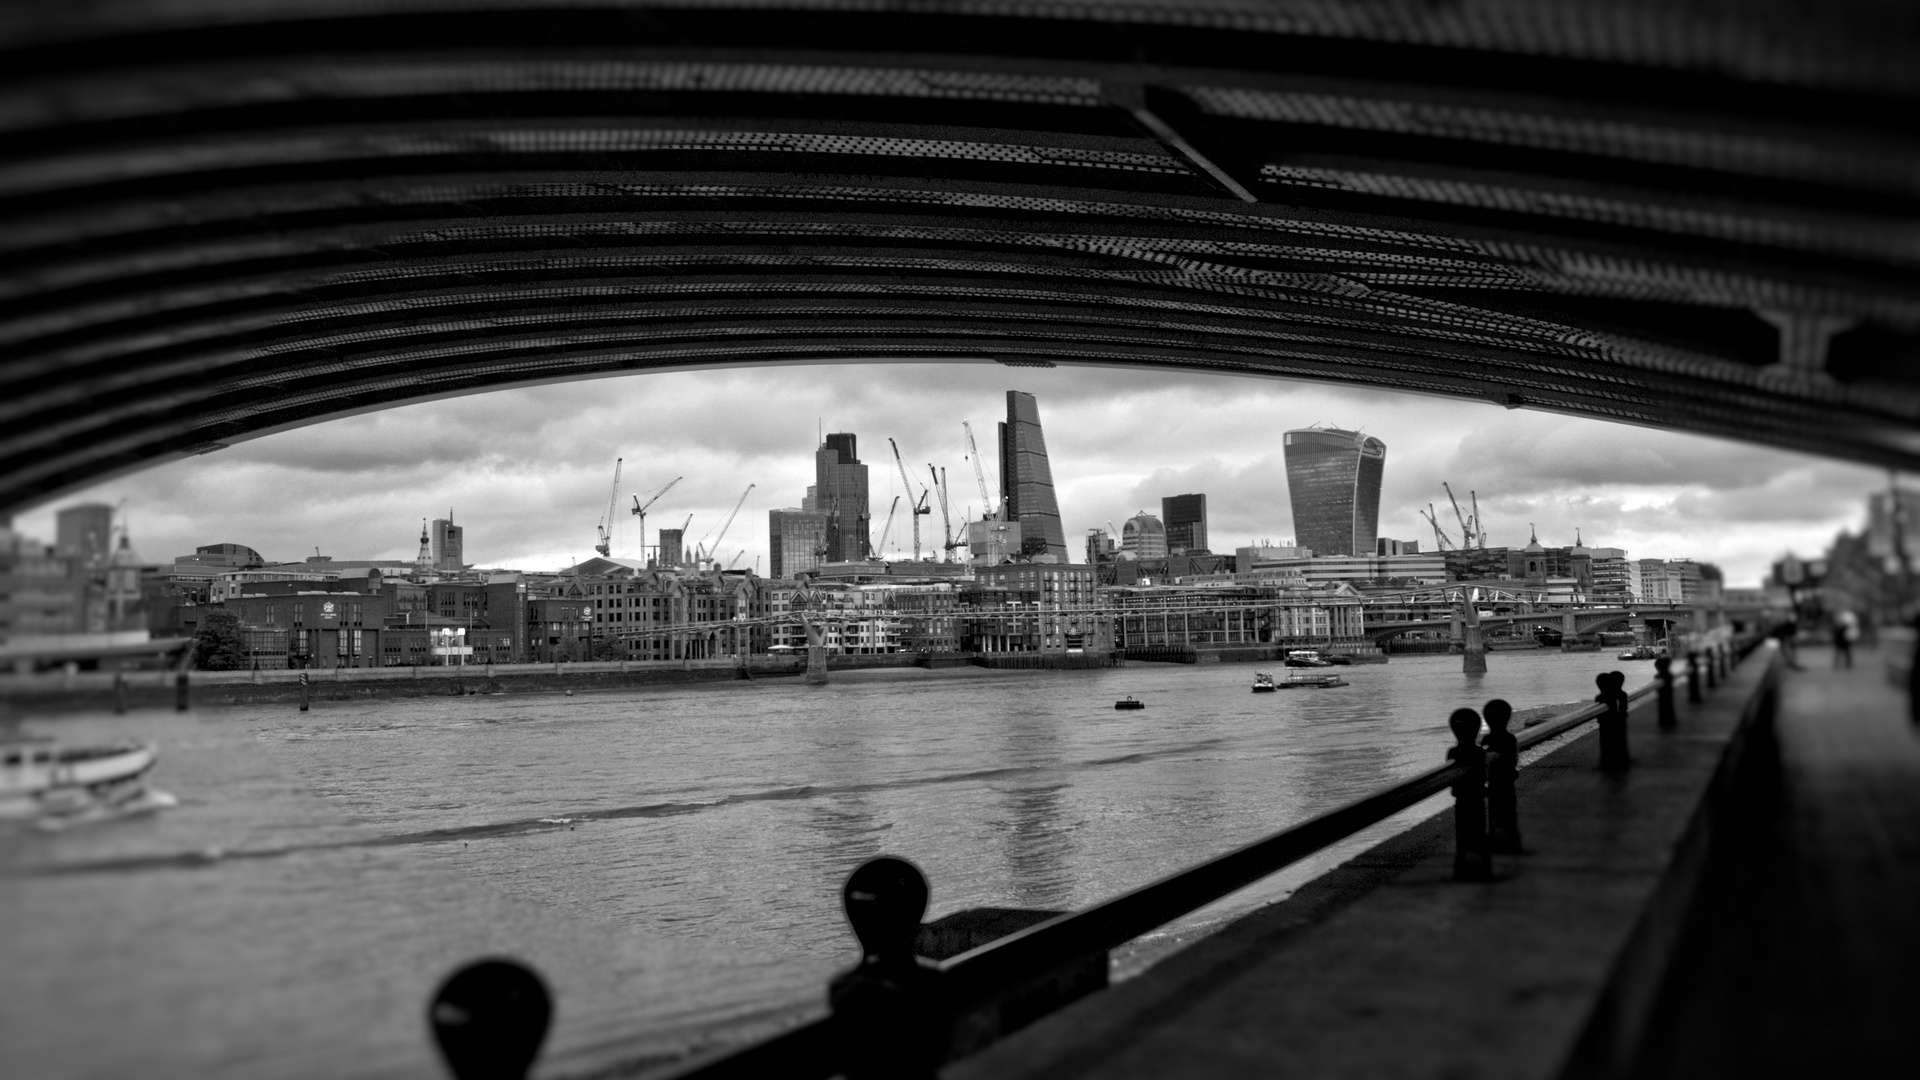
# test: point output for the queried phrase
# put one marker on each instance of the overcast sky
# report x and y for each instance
(527, 470)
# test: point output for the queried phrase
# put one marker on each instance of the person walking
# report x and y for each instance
(1843, 635)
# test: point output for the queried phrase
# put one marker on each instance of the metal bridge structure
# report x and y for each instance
(222, 219)
(1570, 620)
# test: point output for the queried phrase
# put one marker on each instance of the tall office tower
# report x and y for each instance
(449, 545)
(85, 531)
(796, 540)
(840, 489)
(1026, 480)
(1333, 481)
(671, 542)
(1186, 520)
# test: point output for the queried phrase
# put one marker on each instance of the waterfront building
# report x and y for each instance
(796, 541)
(1185, 517)
(1026, 480)
(1033, 607)
(1143, 536)
(1378, 571)
(84, 532)
(1333, 482)
(1157, 619)
(449, 545)
(850, 618)
(1609, 572)
(636, 613)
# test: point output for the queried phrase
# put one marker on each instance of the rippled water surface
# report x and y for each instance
(670, 859)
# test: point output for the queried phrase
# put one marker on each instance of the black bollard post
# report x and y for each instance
(1503, 768)
(1613, 722)
(490, 1018)
(1471, 859)
(119, 693)
(1693, 677)
(303, 691)
(1663, 671)
(180, 692)
(890, 1011)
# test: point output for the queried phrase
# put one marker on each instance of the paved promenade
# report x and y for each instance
(1389, 968)
(1804, 955)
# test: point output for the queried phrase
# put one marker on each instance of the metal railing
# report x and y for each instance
(835, 1044)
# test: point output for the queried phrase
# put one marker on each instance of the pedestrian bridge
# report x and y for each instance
(219, 220)
(1569, 621)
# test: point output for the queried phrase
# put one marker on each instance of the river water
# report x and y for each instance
(669, 859)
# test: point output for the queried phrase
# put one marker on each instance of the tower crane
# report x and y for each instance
(724, 526)
(1466, 523)
(640, 510)
(1480, 529)
(605, 545)
(906, 482)
(888, 531)
(987, 511)
(1439, 535)
(946, 522)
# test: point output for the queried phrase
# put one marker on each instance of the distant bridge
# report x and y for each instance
(1569, 621)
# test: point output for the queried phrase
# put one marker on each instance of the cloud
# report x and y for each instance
(527, 470)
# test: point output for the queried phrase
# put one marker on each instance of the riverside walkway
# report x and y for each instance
(1743, 901)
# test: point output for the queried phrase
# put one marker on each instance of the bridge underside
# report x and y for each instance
(218, 220)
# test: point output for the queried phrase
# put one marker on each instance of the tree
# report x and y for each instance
(218, 644)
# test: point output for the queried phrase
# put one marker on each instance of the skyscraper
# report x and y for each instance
(796, 540)
(85, 531)
(1026, 480)
(1333, 481)
(1186, 520)
(840, 489)
(449, 544)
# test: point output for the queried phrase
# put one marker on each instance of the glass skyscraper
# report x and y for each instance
(1186, 520)
(1333, 481)
(1026, 480)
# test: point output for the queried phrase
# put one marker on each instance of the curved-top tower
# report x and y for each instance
(1333, 481)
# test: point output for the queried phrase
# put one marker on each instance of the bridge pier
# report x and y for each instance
(1473, 657)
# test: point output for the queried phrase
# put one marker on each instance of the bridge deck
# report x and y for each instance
(1388, 968)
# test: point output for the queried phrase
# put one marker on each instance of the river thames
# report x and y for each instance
(669, 859)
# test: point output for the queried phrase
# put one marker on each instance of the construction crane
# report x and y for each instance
(1439, 534)
(906, 482)
(736, 558)
(640, 510)
(973, 452)
(705, 553)
(1480, 529)
(946, 522)
(888, 531)
(1466, 523)
(605, 546)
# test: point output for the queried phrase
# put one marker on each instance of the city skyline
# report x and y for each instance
(526, 470)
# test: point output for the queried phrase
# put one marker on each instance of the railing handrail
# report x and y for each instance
(978, 974)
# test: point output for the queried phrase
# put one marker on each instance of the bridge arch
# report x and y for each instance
(219, 222)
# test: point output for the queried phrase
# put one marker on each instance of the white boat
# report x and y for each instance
(41, 779)
(1306, 658)
(1262, 683)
